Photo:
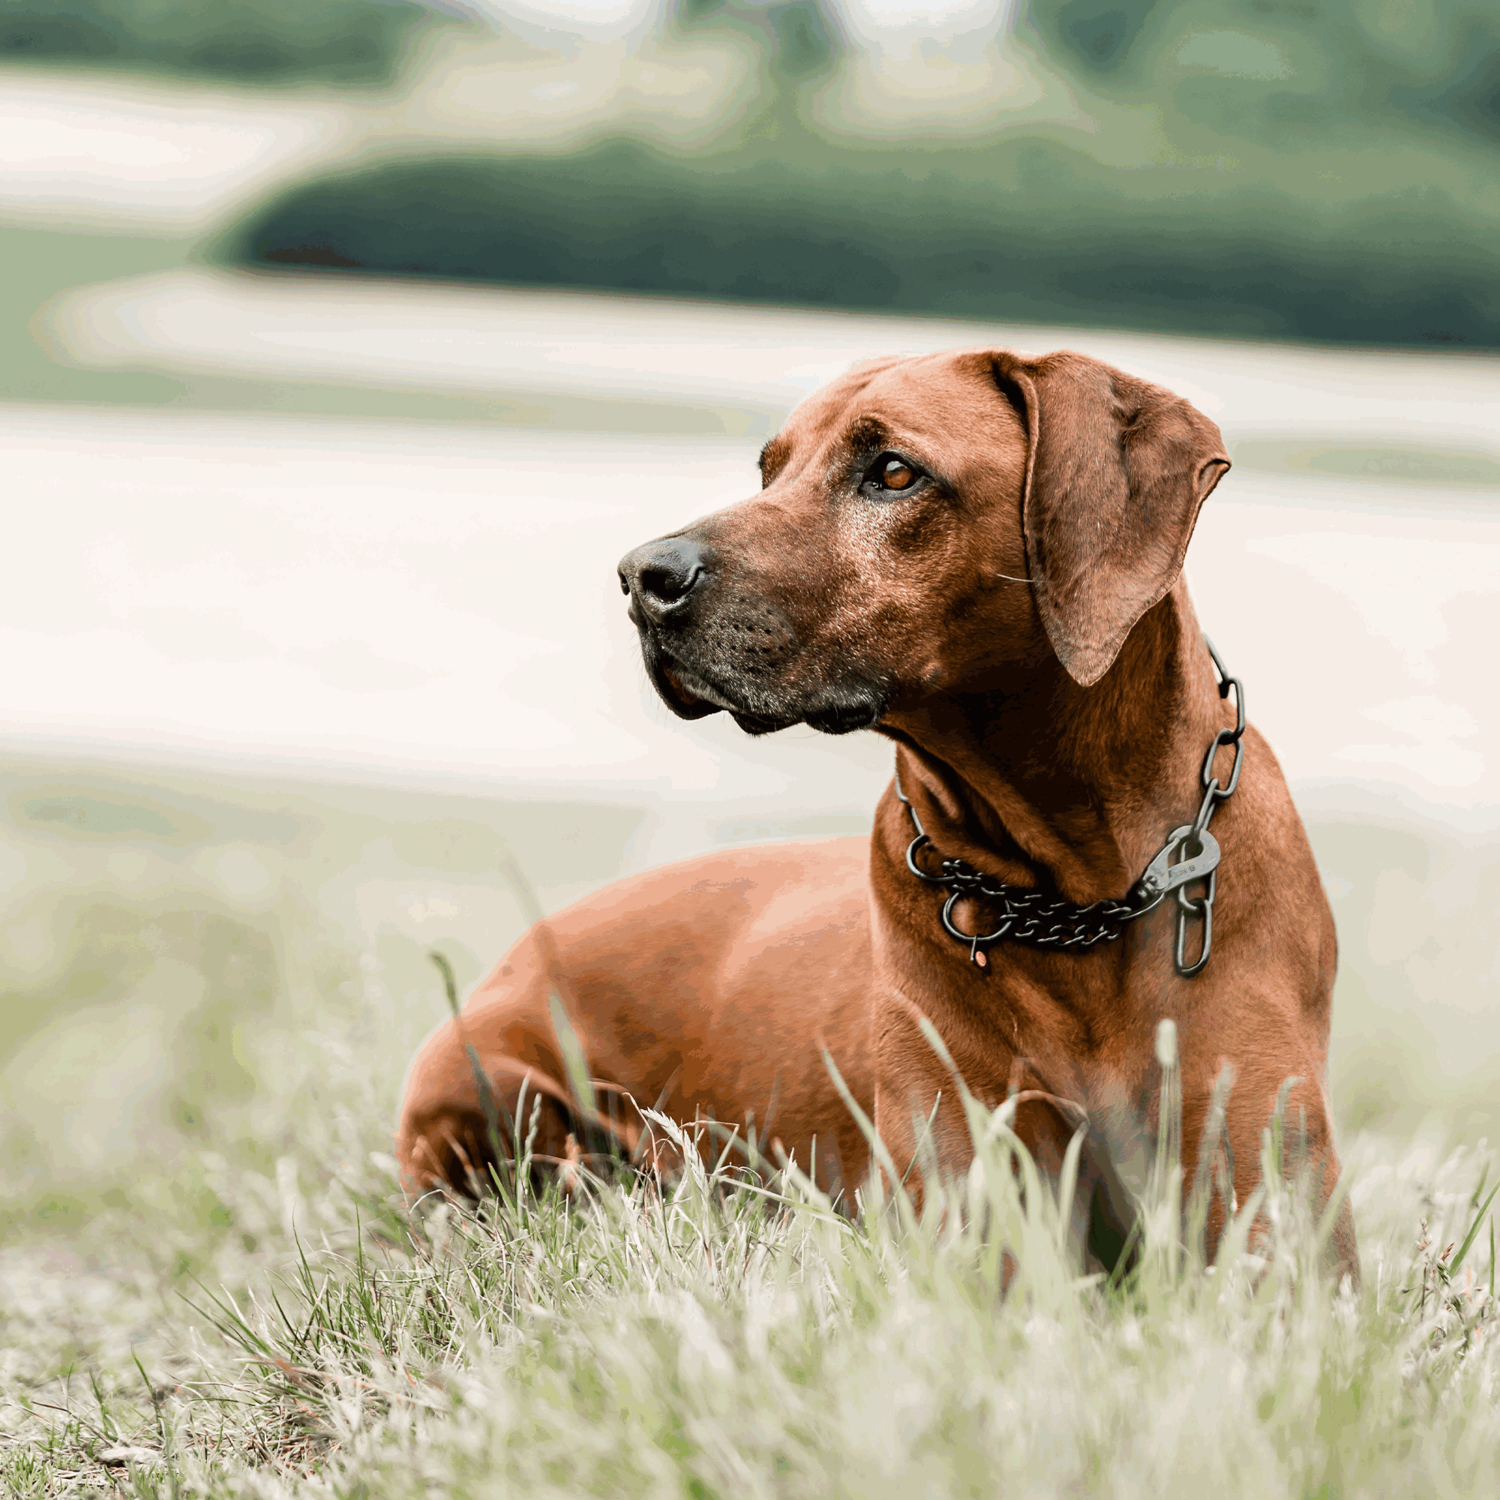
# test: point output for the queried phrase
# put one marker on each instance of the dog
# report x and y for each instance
(978, 555)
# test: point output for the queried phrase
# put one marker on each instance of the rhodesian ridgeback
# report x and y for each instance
(978, 555)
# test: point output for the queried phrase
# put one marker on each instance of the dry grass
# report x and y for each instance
(289, 1329)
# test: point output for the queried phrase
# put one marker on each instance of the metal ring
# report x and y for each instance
(1225, 684)
(1202, 908)
(1239, 705)
(1222, 738)
(1199, 826)
(921, 842)
(969, 937)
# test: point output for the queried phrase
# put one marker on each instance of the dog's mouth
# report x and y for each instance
(686, 691)
(691, 696)
(688, 695)
(758, 706)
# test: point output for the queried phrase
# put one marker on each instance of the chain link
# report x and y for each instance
(1039, 920)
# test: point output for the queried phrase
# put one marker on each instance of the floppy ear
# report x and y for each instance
(1116, 472)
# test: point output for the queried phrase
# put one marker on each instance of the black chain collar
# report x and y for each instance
(1043, 921)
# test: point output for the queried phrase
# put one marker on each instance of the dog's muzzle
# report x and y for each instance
(710, 644)
(661, 579)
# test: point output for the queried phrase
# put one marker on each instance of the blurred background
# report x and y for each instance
(345, 345)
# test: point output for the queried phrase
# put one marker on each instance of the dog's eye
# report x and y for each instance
(892, 472)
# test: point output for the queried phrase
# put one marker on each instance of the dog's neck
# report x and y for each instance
(1067, 787)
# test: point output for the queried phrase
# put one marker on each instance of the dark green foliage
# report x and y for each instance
(806, 41)
(1096, 34)
(1022, 229)
(798, 40)
(261, 41)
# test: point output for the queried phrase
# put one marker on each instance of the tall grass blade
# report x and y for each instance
(488, 1104)
(1468, 1240)
(1210, 1144)
(877, 1146)
(1277, 1127)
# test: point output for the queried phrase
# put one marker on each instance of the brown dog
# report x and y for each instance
(978, 555)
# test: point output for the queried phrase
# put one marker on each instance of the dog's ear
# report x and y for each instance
(1115, 474)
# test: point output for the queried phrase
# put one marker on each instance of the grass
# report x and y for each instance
(269, 1319)
(240, 1303)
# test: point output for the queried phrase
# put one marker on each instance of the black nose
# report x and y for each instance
(660, 575)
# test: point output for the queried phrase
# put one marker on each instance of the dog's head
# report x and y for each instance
(923, 526)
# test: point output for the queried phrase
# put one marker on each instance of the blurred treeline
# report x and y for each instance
(252, 41)
(1312, 169)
